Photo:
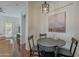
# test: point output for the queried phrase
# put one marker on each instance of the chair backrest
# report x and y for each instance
(43, 35)
(31, 41)
(73, 46)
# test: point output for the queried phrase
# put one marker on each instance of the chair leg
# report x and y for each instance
(56, 52)
(38, 53)
(30, 53)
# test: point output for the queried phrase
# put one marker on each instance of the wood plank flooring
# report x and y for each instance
(23, 51)
(26, 53)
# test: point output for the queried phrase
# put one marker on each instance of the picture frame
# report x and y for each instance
(57, 22)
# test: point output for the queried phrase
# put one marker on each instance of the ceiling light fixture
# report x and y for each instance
(45, 7)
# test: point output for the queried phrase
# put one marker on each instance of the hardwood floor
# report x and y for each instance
(23, 52)
(26, 53)
(5, 48)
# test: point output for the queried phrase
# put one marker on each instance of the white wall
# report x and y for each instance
(77, 25)
(38, 22)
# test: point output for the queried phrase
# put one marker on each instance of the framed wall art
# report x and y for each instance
(57, 22)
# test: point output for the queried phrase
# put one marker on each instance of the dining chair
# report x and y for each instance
(71, 51)
(32, 46)
(18, 41)
(43, 35)
(45, 51)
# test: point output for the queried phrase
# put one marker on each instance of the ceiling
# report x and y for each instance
(12, 8)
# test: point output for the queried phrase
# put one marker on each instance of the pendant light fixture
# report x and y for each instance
(45, 7)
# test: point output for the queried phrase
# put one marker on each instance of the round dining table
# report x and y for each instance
(48, 43)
